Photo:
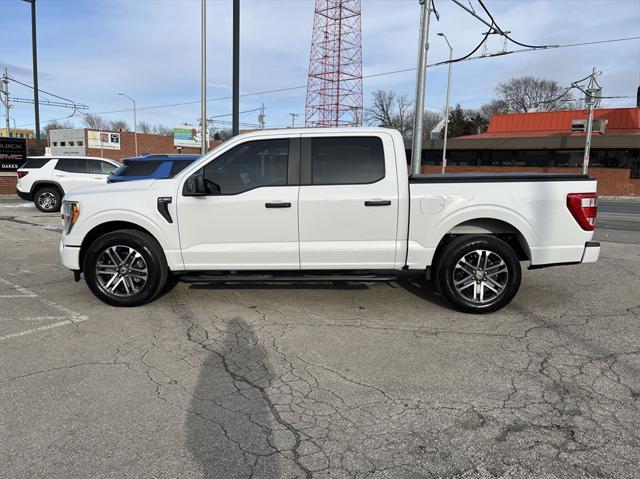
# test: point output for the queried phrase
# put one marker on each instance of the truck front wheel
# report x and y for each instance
(478, 274)
(125, 268)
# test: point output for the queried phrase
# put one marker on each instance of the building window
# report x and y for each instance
(55, 143)
(63, 143)
(80, 143)
(71, 143)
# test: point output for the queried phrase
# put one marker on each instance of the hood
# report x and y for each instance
(110, 189)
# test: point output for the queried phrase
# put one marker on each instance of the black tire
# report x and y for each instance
(455, 281)
(147, 249)
(48, 199)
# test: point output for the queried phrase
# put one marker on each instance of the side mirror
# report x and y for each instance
(194, 186)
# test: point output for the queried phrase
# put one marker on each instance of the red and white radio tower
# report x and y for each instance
(334, 88)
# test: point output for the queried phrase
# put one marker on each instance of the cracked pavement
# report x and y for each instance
(323, 381)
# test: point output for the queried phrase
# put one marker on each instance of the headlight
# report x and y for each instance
(70, 213)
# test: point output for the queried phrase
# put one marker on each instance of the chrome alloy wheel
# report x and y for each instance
(121, 271)
(47, 200)
(480, 276)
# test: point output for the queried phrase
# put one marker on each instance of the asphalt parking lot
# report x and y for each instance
(329, 380)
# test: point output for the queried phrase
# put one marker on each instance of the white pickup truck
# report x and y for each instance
(326, 205)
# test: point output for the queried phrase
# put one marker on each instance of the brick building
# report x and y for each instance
(115, 145)
(550, 142)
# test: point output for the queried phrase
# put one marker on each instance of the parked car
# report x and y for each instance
(151, 167)
(46, 179)
(326, 204)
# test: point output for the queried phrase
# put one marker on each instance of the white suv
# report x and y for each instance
(45, 179)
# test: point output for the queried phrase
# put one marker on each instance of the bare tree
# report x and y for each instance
(391, 110)
(526, 93)
(222, 135)
(163, 130)
(494, 107)
(118, 125)
(95, 122)
(430, 121)
(144, 127)
(56, 125)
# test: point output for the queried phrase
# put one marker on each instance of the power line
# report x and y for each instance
(504, 34)
(47, 93)
(372, 75)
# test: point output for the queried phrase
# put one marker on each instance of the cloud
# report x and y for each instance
(151, 50)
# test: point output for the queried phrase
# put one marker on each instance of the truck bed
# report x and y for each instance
(497, 177)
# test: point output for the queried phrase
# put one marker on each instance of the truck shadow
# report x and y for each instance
(421, 288)
(230, 425)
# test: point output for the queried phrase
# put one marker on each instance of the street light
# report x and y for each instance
(446, 107)
(135, 121)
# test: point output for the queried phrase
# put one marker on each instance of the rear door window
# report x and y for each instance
(346, 160)
(98, 167)
(138, 168)
(72, 165)
(34, 163)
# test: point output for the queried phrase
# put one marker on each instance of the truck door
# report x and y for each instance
(348, 202)
(249, 217)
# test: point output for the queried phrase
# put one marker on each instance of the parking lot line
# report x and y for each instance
(78, 319)
(25, 292)
(67, 316)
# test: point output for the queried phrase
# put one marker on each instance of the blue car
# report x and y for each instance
(151, 167)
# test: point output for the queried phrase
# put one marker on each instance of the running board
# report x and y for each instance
(282, 278)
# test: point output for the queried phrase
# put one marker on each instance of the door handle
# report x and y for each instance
(377, 203)
(277, 204)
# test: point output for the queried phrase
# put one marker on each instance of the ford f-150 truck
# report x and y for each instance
(326, 205)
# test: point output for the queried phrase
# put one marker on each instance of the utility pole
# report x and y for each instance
(203, 79)
(4, 88)
(261, 117)
(235, 127)
(293, 119)
(34, 50)
(423, 47)
(591, 99)
(446, 107)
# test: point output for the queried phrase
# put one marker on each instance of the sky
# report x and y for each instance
(90, 50)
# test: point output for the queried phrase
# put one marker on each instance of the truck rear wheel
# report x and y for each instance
(478, 274)
(125, 268)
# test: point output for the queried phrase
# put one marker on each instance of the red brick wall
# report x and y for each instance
(8, 184)
(611, 181)
(146, 144)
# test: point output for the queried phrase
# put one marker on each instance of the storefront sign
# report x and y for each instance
(186, 135)
(13, 153)
(103, 140)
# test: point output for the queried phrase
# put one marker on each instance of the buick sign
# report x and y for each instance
(13, 153)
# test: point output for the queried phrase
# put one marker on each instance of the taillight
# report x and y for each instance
(584, 208)
(22, 174)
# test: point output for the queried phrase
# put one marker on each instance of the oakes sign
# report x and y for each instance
(13, 153)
